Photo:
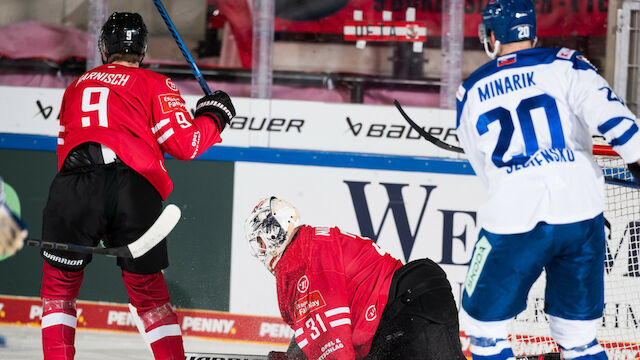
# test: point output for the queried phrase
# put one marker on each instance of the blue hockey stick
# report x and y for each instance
(183, 49)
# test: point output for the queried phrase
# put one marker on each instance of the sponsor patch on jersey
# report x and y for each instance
(507, 60)
(171, 85)
(309, 303)
(303, 284)
(371, 313)
(565, 53)
(480, 254)
(171, 102)
(460, 93)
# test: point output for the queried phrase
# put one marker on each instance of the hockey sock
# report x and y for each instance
(58, 291)
(490, 349)
(488, 338)
(590, 351)
(576, 338)
(148, 293)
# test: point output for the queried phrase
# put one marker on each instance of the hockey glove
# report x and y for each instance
(12, 232)
(218, 107)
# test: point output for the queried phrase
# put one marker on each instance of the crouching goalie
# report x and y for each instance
(12, 230)
(346, 298)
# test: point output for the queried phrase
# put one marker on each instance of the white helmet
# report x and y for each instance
(268, 229)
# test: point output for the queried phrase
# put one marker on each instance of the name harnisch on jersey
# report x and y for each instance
(525, 122)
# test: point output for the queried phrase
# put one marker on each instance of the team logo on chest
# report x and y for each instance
(371, 313)
(303, 284)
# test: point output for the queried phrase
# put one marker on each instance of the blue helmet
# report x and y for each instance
(508, 20)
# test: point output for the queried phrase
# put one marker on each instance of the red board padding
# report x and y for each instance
(110, 316)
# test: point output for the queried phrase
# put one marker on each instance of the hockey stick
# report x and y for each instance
(183, 49)
(158, 231)
(430, 138)
(443, 145)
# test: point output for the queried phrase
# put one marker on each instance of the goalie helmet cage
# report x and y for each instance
(619, 329)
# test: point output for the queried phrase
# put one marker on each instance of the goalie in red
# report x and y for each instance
(346, 298)
(116, 123)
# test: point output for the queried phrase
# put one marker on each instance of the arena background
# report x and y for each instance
(315, 126)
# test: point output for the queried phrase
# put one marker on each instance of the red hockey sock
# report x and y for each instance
(148, 293)
(58, 291)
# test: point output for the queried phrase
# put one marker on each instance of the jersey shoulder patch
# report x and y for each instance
(584, 62)
(565, 53)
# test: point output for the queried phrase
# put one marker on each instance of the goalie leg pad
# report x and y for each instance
(576, 338)
(58, 291)
(148, 293)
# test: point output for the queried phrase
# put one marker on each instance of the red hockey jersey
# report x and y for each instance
(332, 288)
(137, 113)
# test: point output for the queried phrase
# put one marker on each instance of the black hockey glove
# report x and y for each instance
(218, 107)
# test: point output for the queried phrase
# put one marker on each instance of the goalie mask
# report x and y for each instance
(123, 33)
(269, 228)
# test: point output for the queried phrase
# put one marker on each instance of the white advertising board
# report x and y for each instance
(412, 214)
(285, 124)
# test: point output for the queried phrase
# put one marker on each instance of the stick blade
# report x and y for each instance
(158, 231)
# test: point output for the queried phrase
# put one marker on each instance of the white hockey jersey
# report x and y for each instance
(525, 122)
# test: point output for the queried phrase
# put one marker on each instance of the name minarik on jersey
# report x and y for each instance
(505, 85)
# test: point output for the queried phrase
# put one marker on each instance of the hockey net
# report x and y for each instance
(619, 329)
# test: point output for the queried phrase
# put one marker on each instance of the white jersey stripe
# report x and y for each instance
(336, 311)
(162, 332)
(160, 125)
(165, 136)
(303, 343)
(340, 322)
(59, 318)
(299, 332)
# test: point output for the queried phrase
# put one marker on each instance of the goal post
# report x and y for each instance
(619, 329)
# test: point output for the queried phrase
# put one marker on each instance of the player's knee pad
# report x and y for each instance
(146, 291)
(66, 260)
(158, 316)
(422, 289)
(576, 338)
(60, 284)
(67, 306)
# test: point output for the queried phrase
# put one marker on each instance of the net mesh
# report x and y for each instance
(619, 329)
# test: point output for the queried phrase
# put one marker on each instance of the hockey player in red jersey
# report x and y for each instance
(346, 298)
(116, 123)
